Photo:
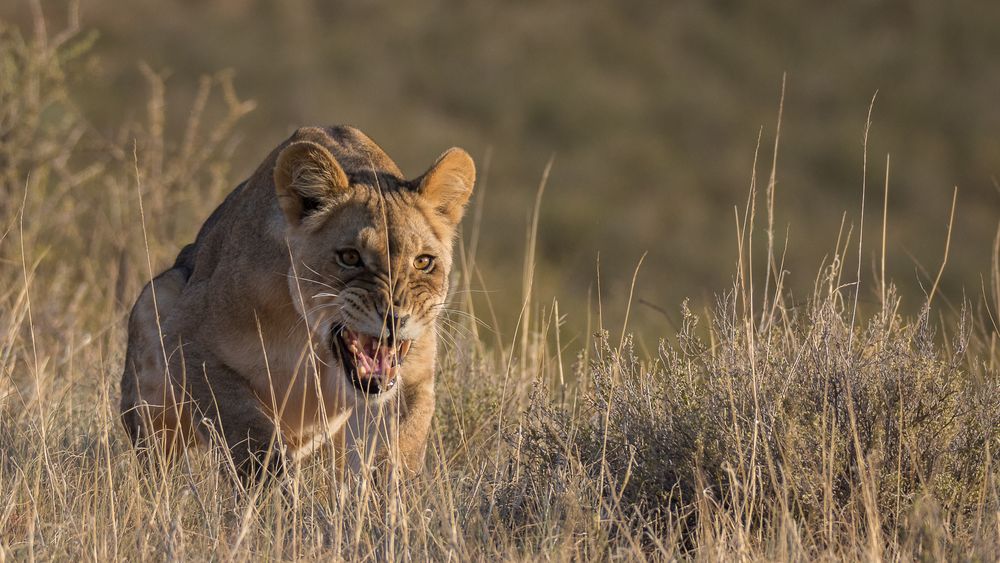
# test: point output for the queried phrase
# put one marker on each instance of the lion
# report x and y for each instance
(304, 313)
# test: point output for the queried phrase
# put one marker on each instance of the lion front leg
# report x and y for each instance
(229, 415)
(415, 425)
(397, 442)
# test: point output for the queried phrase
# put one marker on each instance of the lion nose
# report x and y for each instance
(393, 321)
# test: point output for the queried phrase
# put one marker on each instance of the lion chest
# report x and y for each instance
(299, 385)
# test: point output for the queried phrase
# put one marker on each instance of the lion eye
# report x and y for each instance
(349, 258)
(424, 262)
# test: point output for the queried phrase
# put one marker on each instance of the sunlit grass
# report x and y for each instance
(764, 428)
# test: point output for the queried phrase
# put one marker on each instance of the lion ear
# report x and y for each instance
(448, 183)
(307, 180)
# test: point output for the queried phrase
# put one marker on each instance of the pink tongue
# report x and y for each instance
(377, 359)
(366, 361)
(383, 360)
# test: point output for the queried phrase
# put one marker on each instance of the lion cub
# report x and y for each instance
(304, 311)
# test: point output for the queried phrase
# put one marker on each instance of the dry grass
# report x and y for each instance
(762, 430)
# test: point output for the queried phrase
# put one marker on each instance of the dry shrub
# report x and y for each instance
(39, 124)
(844, 435)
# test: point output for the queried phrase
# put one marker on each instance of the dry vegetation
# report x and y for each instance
(762, 429)
(651, 109)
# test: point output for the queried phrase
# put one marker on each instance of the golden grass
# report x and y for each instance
(772, 430)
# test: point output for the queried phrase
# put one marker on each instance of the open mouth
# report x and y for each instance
(371, 364)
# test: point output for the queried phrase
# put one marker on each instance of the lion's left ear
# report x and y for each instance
(308, 181)
(448, 183)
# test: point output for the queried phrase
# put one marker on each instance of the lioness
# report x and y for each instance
(304, 311)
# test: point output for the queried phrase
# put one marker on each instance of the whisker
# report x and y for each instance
(443, 308)
(302, 319)
(464, 330)
(334, 278)
(446, 341)
(322, 306)
(310, 280)
(456, 330)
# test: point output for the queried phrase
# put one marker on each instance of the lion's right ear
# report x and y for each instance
(308, 181)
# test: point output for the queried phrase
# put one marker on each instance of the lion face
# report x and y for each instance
(371, 255)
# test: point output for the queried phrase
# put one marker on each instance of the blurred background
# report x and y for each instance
(650, 112)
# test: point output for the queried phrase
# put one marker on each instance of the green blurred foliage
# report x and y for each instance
(652, 111)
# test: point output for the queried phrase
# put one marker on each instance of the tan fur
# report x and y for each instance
(242, 354)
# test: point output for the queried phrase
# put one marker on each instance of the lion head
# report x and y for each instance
(371, 251)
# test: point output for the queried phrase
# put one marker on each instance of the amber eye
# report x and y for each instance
(424, 262)
(349, 258)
